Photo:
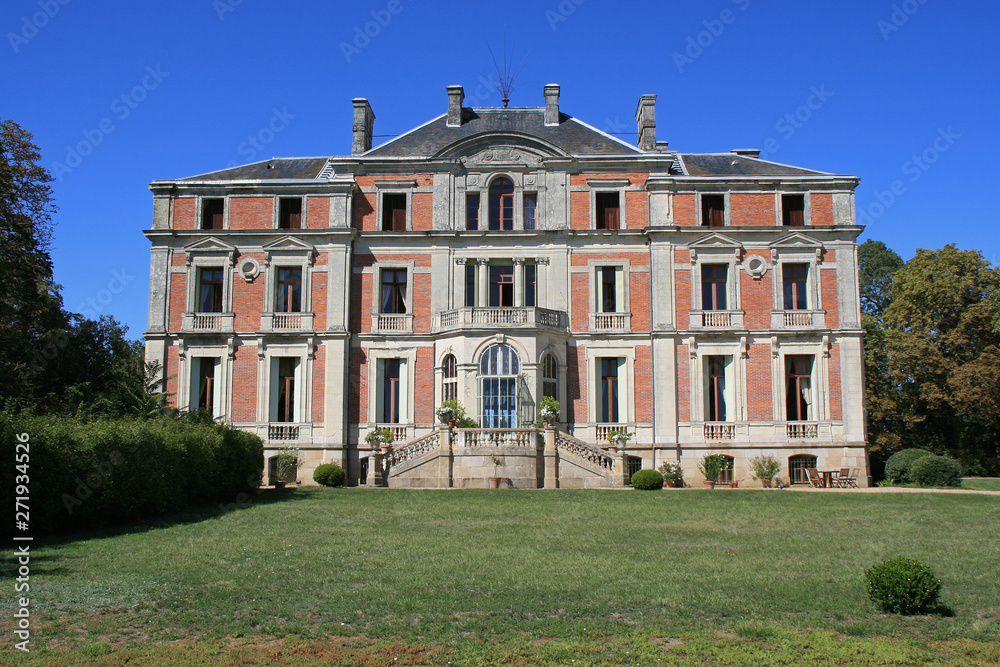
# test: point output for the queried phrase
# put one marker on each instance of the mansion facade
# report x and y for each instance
(705, 303)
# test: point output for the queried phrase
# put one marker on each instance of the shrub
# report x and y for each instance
(647, 480)
(711, 465)
(897, 467)
(329, 474)
(936, 471)
(903, 586)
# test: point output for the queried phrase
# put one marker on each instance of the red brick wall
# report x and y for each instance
(185, 213)
(830, 302)
(366, 203)
(643, 373)
(576, 384)
(423, 385)
(170, 371)
(639, 301)
(178, 295)
(251, 212)
(362, 291)
(822, 209)
(423, 211)
(685, 210)
(836, 403)
(759, 406)
(683, 384)
(248, 298)
(320, 282)
(580, 300)
(756, 299)
(753, 209)
(318, 384)
(579, 210)
(245, 384)
(682, 291)
(357, 400)
(318, 212)
(364, 210)
(636, 210)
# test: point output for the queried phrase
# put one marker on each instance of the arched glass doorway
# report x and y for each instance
(498, 386)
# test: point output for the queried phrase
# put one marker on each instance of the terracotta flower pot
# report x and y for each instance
(452, 422)
(669, 483)
(386, 449)
(494, 482)
(613, 449)
(708, 484)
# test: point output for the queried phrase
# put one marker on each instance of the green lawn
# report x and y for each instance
(359, 576)
(982, 483)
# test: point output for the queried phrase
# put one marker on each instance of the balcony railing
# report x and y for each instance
(286, 321)
(602, 431)
(716, 319)
(798, 319)
(400, 432)
(283, 432)
(501, 317)
(720, 431)
(208, 322)
(801, 430)
(392, 322)
(610, 321)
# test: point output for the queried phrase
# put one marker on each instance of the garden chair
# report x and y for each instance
(842, 478)
(852, 480)
(812, 474)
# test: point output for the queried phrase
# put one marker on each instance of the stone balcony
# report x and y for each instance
(716, 319)
(390, 323)
(286, 322)
(514, 317)
(207, 322)
(798, 319)
(610, 321)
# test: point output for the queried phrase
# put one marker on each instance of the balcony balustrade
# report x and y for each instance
(207, 322)
(291, 322)
(802, 430)
(716, 319)
(392, 322)
(610, 321)
(798, 319)
(500, 317)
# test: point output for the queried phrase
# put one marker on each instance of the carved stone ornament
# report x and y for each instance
(756, 266)
(249, 269)
(502, 156)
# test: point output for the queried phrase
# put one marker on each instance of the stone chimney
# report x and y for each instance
(364, 121)
(455, 96)
(551, 104)
(645, 116)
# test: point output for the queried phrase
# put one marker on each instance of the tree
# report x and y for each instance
(31, 318)
(876, 266)
(943, 351)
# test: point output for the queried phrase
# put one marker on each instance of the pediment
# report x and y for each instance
(507, 150)
(289, 244)
(713, 241)
(796, 242)
(210, 245)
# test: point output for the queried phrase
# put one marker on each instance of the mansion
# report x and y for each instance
(702, 302)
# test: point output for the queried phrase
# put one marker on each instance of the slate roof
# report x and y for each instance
(730, 164)
(275, 169)
(570, 135)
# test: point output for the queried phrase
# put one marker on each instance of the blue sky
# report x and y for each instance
(902, 94)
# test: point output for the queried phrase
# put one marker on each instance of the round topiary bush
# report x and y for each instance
(903, 586)
(936, 471)
(897, 467)
(329, 474)
(647, 480)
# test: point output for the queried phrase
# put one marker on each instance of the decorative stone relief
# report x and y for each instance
(756, 266)
(249, 269)
(502, 155)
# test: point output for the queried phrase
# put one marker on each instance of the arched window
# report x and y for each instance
(726, 474)
(550, 377)
(498, 370)
(450, 372)
(501, 204)
(797, 467)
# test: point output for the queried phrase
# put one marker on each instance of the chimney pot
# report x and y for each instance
(551, 91)
(456, 94)
(364, 123)
(645, 116)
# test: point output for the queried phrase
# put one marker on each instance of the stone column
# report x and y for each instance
(444, 458)
(484, 283)
(458, 293)
(518, 281)
(551, 458)
(375, 476)
(623, 467)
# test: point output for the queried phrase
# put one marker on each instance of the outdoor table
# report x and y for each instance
(827, 476)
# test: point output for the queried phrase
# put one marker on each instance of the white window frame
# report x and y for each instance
(604, 186)
(276, 213)
(199, 211)
(376, 359)
(806, 210)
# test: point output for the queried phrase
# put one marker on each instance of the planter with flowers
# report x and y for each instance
(618, 439)
(710, 466)
(548, 410)
(452, 413)
(764, 469)
(673, 476)
(380, 438)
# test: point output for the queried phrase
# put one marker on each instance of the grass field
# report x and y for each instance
(390, 577)
(982, 483)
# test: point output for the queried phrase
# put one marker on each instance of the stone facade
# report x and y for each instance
(703, 302)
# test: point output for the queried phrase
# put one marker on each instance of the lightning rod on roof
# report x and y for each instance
(506, 73)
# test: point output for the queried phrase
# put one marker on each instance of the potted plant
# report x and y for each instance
(381, 438)
(764, 469)
(710, 466)
(548, 410)
(618, 438)
(673, 476)
(288, 463)
(497, 461)
(451, 412)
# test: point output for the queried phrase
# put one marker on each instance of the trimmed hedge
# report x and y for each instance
(903, 586)
(329, 474)
(647, 480)
(85, 475)
(936, 471)
(897, 467)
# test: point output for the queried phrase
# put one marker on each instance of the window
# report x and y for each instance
(212, 213)
(713, 286)
(203, 371)
(393, 290)
(793, 278)
(607, 411)
(394, 212)
(450, 372)
(501, 285)
(210, 290)
(797, 468)
(609, 291)
(501, 205)
(289, 290)
(470, 285)
(530, 208)
(798, 387)
(715, 391)
(608, 212)
(793, 208)
(390, 391)
(713, 210)
(498, 370)
(550, 377)
(529, 284)
(726, 474)
(287, 370)
(290, 213)
(472, 212)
